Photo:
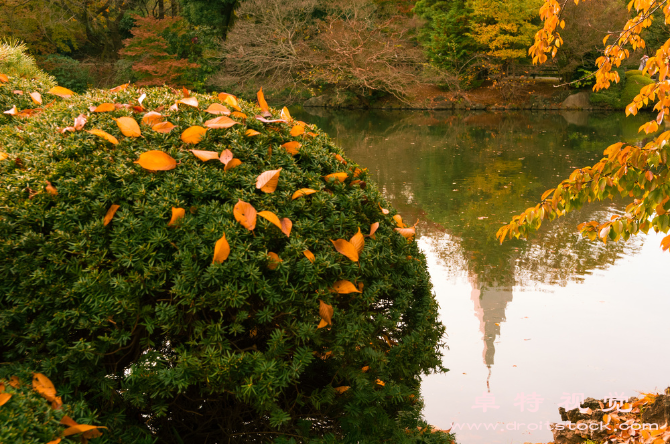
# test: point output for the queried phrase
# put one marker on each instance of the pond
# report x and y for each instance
(534, 324)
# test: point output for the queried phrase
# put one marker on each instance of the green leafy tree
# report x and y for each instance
(143, 291)
(637, 171)
(218, 14)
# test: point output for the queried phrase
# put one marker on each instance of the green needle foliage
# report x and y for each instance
(134, 318)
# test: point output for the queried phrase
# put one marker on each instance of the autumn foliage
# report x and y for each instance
(194, 271)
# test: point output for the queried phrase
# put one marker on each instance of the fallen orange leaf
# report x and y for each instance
(189, 101)
(365, 369)
(358, 241)
(268, 181)
(128, 127)
(309, 255)
(245, 214)
(291, 147)
(110, 214)
(205, 155)
(193, 135)
(345, 287)
(80, 428)
(177, 215)
(297, 130)
(108, 137)
(230, 100)
(275, 260)
(232, 164)
(4, 397)
(163, 127)
(373, 229)
(346, 248)
(270, 216)
(156, 161)
(341, 389)
(408, 233)
(322, 324)
(239, 115)
(384, 210)
(303, 192)
(104, 108)
(61, 92)
(51, 189)
(226, 156)
(44, 386)
(265, 109)
(152, 118)
(221, 250)
(337, 176)
(14, 382)
(286, 226)
(37, 97)
(217, 109)
(251, 133)
(398, 221)
(4, 78)
(326, 312)
(380, 382)
(286, 115)
(220, 122)
(120, 87)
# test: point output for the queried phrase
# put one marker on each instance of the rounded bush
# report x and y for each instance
(133, 314)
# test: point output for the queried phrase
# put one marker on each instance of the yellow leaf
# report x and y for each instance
(251, 132)
(120, 87)
(51, 189)
(341, 389)
(104, 108)
(206, 155)
(128, 126)
(177, 215)
(152, 118)
(286, 115)
(230, 100)
(193, 135)
(156, 161)
(337, 176)
(37, 97)
(3, 156)
(220, 122)
(373, 228)
(110, 214)
(309, 255)
(326, 312)
(562, 24)
(286, 226)
(100, 133)
(163, 127)
(80, 428)
(291, 147)
(303, 192)
(245, 214)
(226, 156)
(358, 241)
(4, 397)
(274, 260)
(345, 287)
(61, 92)
(408, 233)
(270, 216)
(605, 39)
(265, 109)
(232, 164)
(268, 181)
(189, 101)
(297, 130)
(217, 109)
(322, 324)
(344, 247)
(221, 250)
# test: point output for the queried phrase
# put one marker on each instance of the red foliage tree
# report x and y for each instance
(148, 49)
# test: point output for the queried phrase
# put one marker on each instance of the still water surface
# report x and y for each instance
(529, 322)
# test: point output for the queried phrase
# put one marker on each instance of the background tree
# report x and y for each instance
(637, 171)
(219, 14)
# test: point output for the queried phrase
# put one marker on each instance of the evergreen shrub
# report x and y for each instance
(22, 77)
(134, 319)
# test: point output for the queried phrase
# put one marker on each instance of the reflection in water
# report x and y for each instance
(464, 175)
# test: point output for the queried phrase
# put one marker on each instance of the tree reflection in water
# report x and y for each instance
(464, 174)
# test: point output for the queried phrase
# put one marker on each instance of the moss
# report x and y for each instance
(137, 317)
(618, 96)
